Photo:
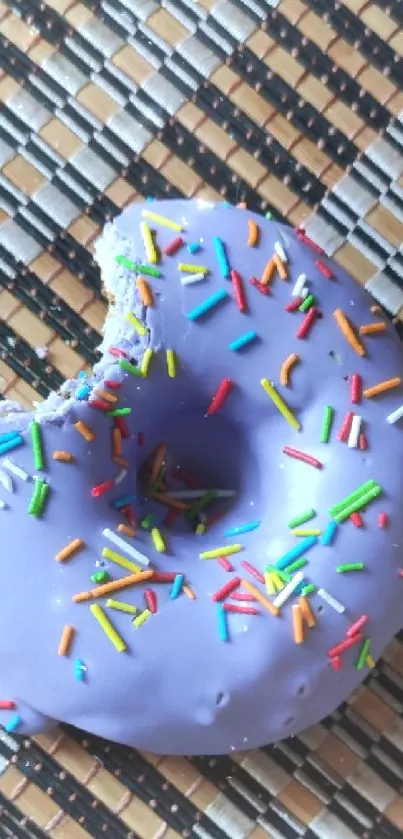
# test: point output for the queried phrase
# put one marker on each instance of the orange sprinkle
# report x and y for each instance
(66, 640)
(297, 624)
(115, 585)
(286, 367)
(388, 384)
(155, 462)
(166, 499)
(116, 442)
(189, 592)
(307, 613)
(348, 332)
(65, 457)
(85, 431)
(281, 267)
(127, 530)
(376, 310)
(261, 597)
(121, 461)
(253, 237)
(145, 291)
(69, 550)
(268, 272)
(104, 394)
(373, 328)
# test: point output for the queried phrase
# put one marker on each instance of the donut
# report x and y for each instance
(201, 538)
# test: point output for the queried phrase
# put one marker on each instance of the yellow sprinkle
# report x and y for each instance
(189, 592)
(268, 578)
(158, 539)
(108, 628)
(277, 581)
(226, 550)
(192, 269)
(302, 532)
(136, 323)
(148, 243)
(142, 618)
(166, 222)
(121, 560)
(120, 606)
(200, 529)
(280, 404)
(146, 360)
(370, 662)
(171, 364)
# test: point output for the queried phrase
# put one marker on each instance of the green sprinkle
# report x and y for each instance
(202, 502)
(307, 303)
(364, 653)
(327, 423)
(307, 590)
(148, 271)
(337, 508)
(35, 497)
(36, 438)
(130, 368)
(299, 563)
(127, 263)
(101, 577)
(301, 519)
(45, 489)
(268, 215)
(147, 520)
(119, 412)
(138, 269)
(350, 566)
(283, 574)
(358, 504)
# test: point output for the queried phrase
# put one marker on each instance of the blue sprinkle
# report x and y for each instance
(10, 435)
(243, 341)
(329, 533)
(208, 304)
(12, 724)
(83, 392)
(118, 503)
(17, 440)
(81, 374)
(222, 623)
(242, 528)
(194, 247)
(297, 551)
(221, 255)
(177, 586)
(79, 670)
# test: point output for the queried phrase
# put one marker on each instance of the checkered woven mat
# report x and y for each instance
(294, 107)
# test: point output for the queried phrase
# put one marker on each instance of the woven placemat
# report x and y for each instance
(294, 108)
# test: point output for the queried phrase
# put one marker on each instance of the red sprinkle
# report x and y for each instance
(345, 645)
(224, 591)
(324, 269)
(357, 626)
(383, 520)
(171, 517)
(100, 489)
(357, 520)
(120, 423)
(307, 241)
(363, 442)
(356, 389)
(187, 477)
(173, 246)
(225, 564)
(6, 705)
(241, 595)
(307, 323)
(345, 428)
(163, 577)
(99, 404)
(140, 438)
(130, 515)
(264, 289)
(112, 383)
(239, 291)
(337, 662)
(219, 396)
(117, 352)
(294, 304)
(242, 610)
(151, 600)
(305, 458)
(252, 570)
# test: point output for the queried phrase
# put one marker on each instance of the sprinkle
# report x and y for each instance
(12, 443)
(225, 590)
(253, 236)
(66, 640)
(36, 438)
(301, 518)
(138, 269)
(337, 663)
(288, 590)
(83, 392)
(145, 292)
(85, 431)
(202, 502)
(117, 352)
(327, 421)
(268, 272)
(79, 670)
(373, 328)
(383, 520)
(173, 246)
(8, 435)
(225, 564)
(108, 628)
(118, 503)
(349, 499)
(136, 323)
(324, 269)
(100, 489)
(193, 247)
(165, 222)
(243, 341)
(313, 531)
(208, 304)
(297, 624)
(286, 368)
(261, 598)
(307, 303)
(177, 586)
(6, 481)
(163, 577)
(280, 404)
(115, 585)
(370, 662)
(299, 286)
(171, 363)
(113, 383)
(273, 582)
(15, 469)
(253, 571)
(307, 590)
(99, 404)
(298, 550)
(264, 289)
(358, 504)
(331, 601)
(356, 627)
(355, 388)
(101, 577)
(239, 290)
(219, 397)
(124, 546)
(146, 361)
(329, 533)
(293, 305)
(192, 278)
(221, 255)
(307, 613)
(151, 600)
(307, 323)
(225, 550)
(241, 595)
(354, 432)
(395, 415)
(280, 251)
(348, 332)
(12, 724)
(281, 267)
(116, 442)
(148, 243)
(382, 387)
(121, 607)
(158, 540)
(242, 528)
(309, 242)
(44, 492)
(147, 521)
(142, 618)
(242, 610)
(357, 520)
(344, 645)
(345, 427)
(192, 269)
(363, 654)
(6, 705)
(350, 566)
(305, 458)
(120, 560)
(222, 624)
(35, 498)
(70, 549)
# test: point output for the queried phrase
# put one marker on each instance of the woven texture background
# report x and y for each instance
(292, 106)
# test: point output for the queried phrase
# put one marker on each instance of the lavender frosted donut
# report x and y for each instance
(201, 541)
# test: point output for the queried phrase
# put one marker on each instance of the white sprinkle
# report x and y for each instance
(193, 278)
(280, 251)
(331, 601)
(354, 432)
(122, 474)
(6, 481)
(14, 469)
(198, 493)
(299, 285)
(124, 546)
(288, 589)
(395, 415)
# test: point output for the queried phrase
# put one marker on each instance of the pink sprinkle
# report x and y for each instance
(264, 289)
(345, 645)
(151, 600)
(6, 705)
(324, 269)
(307, 323)
(99, 404)
(307, 241)
(356, 627)
(225, 564)
(100, 489)
(337, 662)
(345, 427)
(163, 577)
(117, 352)
(355, 388)
(294, 304)
(357, 520)
(223, 592)
(252, 570)
(113, 384)
(240, 595)
(383, 520)
(173, 246)
(242, 610)
(305, 458)
(363, 442)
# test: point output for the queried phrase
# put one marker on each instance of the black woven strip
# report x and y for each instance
(394, 9)
(21, 358)
(14, 825)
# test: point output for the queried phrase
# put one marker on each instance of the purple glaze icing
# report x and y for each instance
(179, 689)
